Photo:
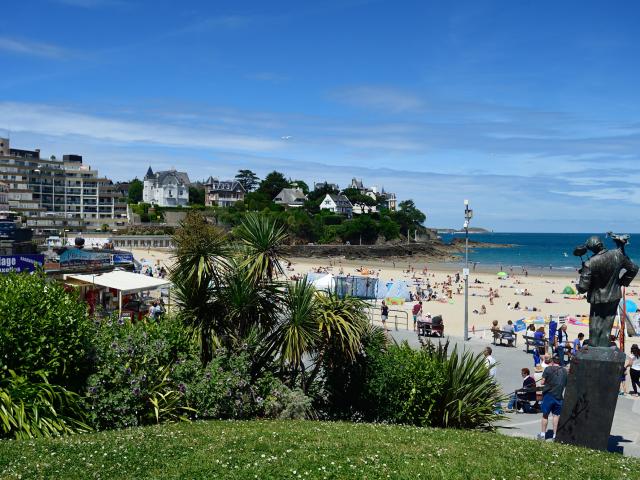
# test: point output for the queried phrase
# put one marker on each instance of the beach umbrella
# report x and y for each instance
(568, 290)
(631, 306)
(503, 274)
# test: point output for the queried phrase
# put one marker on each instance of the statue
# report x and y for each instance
(601, 278)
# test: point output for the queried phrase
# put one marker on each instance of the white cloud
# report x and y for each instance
(380, 98)
(35, 49)
(48, 120)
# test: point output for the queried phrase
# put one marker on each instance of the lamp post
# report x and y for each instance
(468, 214)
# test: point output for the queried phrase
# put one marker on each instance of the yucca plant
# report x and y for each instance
(297, 330)
(469, 395)
(31, 409)
(201, 252)
(260, 240)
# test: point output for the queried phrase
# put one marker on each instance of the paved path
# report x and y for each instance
(625, 432)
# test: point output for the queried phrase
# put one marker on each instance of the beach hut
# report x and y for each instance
(324, 282)
(397, 293)
(568, 290)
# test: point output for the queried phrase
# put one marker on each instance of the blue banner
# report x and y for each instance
(122, 258)
(79, 257)
(20, 263)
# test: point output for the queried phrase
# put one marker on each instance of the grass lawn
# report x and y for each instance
(304, 450)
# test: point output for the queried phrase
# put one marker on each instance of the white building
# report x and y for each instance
(337, 203)
(52, 195)
(166, 189)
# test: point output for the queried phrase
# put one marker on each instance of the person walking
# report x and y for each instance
(554, 381)
(416, 311)
(633, 363)
(490, 362)
(384, 314)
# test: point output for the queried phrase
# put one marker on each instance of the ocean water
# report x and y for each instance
(536, 250)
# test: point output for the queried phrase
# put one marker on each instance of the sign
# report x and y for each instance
(122, 258)
(79, 257)
(20, 263)
(465, 272)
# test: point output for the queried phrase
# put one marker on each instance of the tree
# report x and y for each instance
(272, 184)
(248, 179)
(408, 216)
(261, 239)
(135, 191)
(200, 259)
(356, 198)
(196, 195)
(301, 184)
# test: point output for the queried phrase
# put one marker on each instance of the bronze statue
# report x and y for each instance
(601, 278)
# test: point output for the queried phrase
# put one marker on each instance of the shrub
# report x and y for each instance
(43, 328)
(133, 383)
(225, 389)
(30, 409)
(428, 387)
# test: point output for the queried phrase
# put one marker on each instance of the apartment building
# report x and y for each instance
(222, 193)
(52, 195)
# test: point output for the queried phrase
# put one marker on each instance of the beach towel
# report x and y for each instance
(520, 325)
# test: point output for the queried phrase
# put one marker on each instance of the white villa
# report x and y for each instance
(166, 189)
(337, 203)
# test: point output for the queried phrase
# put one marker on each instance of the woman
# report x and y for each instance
(540, 340)
(384, 314)
(633, 362)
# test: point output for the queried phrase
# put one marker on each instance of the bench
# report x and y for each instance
(500, 337)
(429, 329)
(531, 342)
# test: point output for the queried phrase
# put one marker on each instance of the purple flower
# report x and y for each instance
(207, 375)
(121, 321)
(128, 371)
(182, 388)
(136, 391)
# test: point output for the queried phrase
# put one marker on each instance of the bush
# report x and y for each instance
(43, 328)
(225, 389)
(30, 409)
(427, 387)
(133, 383)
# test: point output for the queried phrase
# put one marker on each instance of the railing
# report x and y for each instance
(395, 317)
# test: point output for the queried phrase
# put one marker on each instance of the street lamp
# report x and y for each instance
(468, 214)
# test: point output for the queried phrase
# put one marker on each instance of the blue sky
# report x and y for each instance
(529, 109)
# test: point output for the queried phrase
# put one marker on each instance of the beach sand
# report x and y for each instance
(540, 284)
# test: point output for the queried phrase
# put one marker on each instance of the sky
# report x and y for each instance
(527, 109)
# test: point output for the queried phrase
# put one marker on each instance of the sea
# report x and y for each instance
(536, 250)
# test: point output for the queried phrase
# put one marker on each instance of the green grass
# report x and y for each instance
(303, 450)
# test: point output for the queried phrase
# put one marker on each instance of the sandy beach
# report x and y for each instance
(540, 285)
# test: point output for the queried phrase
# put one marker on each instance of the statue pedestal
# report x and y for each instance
(590, 398)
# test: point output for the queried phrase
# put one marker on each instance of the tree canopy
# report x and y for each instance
(248, 179)
(273, 183)
(135, 191)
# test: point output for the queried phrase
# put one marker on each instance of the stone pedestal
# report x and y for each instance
(590, 398)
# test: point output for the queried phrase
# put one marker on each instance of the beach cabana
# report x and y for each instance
(324, 282)
(125, 283)
(397, 293)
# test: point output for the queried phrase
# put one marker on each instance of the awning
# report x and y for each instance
(125, 282)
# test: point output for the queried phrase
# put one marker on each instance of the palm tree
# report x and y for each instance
(297, 331)
(246, 304)
(200, 260)
(342, 322)
(261, 238)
